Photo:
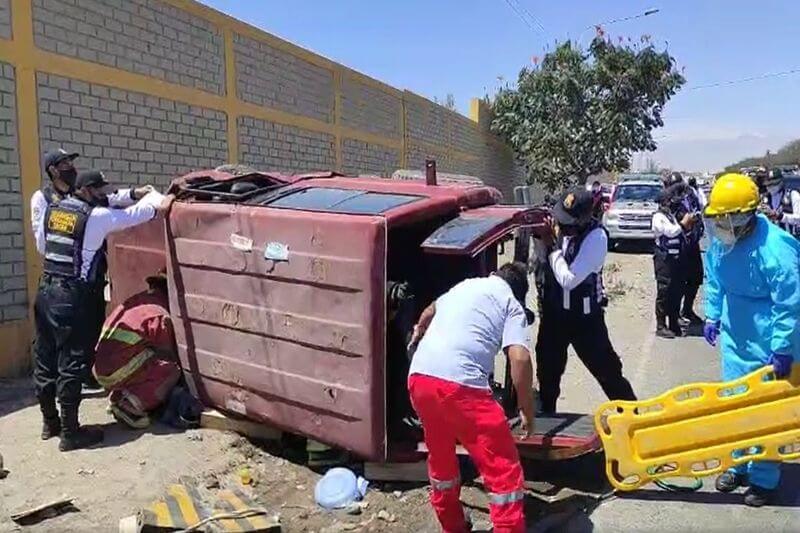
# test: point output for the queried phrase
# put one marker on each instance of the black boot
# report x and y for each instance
(662, 330)
(51, 425)
(691, 317)
(758, 497)
(675, 326)
(730, 481)
(73, 436)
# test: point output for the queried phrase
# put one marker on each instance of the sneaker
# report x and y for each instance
(730, 481)
(665, 333)
(758, 497)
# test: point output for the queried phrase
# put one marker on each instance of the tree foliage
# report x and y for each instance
(580, 113)
(789, 154)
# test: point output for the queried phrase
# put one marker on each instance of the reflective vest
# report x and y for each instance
(671, 246)
(64, 230)
(784, 207)
(587, 297)
(134, 333)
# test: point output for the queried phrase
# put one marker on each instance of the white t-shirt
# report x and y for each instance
(473, 321)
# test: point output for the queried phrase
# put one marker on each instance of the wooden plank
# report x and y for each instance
(396, 471)
(213, 419)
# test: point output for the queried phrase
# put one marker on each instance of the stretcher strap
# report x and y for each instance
(505, 498)
(126, 371)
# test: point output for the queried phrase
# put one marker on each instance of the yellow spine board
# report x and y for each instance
(693, 430)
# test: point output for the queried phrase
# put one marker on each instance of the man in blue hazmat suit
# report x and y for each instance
(752, 305)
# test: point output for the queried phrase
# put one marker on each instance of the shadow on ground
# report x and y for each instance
(15, 394)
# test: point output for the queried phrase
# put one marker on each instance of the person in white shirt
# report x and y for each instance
(461, 332)
(781, 206)
(668, 261)
(59, 165)
(572, 310)
(72, 236)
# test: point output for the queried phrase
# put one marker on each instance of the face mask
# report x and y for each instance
(68, 175)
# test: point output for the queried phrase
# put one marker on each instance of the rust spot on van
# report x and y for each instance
(319, 269)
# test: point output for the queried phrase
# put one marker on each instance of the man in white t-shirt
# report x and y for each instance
(449, 386)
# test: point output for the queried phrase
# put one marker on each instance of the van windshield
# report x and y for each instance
(636, 193)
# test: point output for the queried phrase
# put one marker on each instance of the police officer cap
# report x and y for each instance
(574, 208)
(90, 178)
(54, 157)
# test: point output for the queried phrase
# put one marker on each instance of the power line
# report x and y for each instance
(531, 16)
(516, 8)
(746, 80)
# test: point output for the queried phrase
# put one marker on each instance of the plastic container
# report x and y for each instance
(338, 488)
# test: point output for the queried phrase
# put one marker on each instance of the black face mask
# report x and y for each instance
(68, 175)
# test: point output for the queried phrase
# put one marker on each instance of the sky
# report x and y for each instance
(470, 47)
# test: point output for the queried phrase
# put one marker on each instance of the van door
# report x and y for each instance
(474, 230)
(280, 317)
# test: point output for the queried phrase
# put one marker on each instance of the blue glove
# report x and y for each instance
(781, 364)
(711, 332)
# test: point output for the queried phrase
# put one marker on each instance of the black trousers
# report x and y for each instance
(693, 272)
(670, 284)
(588, 335)
(61, 339)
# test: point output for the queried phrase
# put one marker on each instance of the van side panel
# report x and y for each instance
(297, 343)
(133, 255)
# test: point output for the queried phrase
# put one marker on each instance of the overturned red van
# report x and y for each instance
(278, 289)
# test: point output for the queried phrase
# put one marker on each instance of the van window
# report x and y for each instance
(341, 201)
(461, 232)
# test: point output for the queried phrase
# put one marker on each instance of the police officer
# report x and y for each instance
(72, 235)
(684, 202)
(781, 206)
(571, 303)
(668, 261)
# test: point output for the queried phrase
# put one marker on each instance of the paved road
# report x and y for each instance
(654, 366)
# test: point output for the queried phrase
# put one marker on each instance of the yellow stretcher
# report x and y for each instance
(701, 429)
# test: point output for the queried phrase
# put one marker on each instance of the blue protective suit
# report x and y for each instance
(754, 292)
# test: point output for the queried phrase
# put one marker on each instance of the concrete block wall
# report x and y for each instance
(142, 36)
(132, 137)
(147, 90)
(269, 146)
(13, 295)
(268, 76)
(364, 158)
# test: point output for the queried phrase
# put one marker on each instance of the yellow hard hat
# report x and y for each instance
(732, 193)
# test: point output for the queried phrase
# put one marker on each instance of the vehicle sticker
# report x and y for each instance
(62, 221)
(241, 243)
(276, 251)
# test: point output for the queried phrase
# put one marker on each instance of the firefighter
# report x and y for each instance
(72, 235)
(668, 263)
(572, 303)
(752, 305)
(449, 386)
(136, 359)
(781, 206)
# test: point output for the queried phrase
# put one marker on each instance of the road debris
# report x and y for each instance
(43, 512)
(245, 476)
(85, 472)
(386, 516)
(195, 436)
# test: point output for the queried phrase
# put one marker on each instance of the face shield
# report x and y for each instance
(726, 230)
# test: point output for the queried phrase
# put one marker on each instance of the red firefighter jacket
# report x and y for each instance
(137, 331)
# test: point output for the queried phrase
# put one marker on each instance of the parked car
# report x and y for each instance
(650, 178)
(630, 215)
(279, 294)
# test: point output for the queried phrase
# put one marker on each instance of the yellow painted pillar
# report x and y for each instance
(231, 100)
(337, 118)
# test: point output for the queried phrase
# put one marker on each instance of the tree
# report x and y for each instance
(581, 113)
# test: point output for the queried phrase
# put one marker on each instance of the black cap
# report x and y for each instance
(90, 178)
(54, 157)
(574, 208)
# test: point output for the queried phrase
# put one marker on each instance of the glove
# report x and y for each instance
(711, 332)
(781, 364)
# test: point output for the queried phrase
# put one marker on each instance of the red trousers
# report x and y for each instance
(147, 388)
(452, 413)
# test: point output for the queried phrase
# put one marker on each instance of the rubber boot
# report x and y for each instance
(51, 424)
(73, 436)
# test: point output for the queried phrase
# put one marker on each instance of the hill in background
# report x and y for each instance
(789, 154)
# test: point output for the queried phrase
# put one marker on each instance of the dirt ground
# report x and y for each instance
(134, 468)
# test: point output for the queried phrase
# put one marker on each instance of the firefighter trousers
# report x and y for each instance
(452, 413)
(588, 334)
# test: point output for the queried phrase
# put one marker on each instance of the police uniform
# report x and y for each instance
(72, 236)
(787, 205)
(572, 310)
(669, 270)
(691, 257)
